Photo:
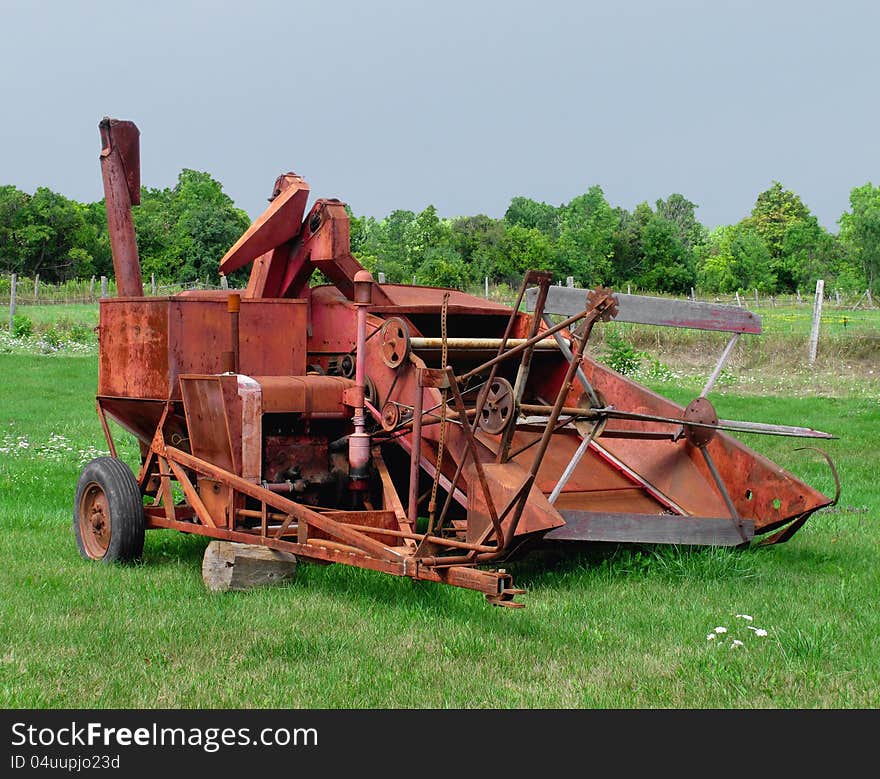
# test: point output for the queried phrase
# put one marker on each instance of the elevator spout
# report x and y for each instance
(121, 173)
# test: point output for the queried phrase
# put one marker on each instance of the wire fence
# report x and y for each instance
(843, 312)
(32, 291)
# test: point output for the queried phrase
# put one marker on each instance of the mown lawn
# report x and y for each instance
(616, 628)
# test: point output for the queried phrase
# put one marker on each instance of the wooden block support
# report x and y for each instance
(230, 566)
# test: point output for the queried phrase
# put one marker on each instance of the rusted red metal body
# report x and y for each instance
(417, 431)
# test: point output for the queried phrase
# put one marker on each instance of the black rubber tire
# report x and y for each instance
(108, 484)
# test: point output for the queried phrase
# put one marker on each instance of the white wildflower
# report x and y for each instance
(711, 637)
(736, 643)
(721, 629)
(745, 617)
(758, 631)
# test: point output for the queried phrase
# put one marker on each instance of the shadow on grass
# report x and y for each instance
(569, 566)
(171, 547)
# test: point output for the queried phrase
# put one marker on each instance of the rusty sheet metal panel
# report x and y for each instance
(273, 336)
(281, 221)
(429, 300)
(623, 527)
(213, 419)
(333, 322)
(307, 395)
(198, 334)
(505, 480)
(147, 343)
(133, 339)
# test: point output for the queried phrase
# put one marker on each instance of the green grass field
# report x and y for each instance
(618, 628)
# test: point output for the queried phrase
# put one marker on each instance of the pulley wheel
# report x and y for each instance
(347, 366)
(498, 408)
(390, 416)
(370, 393)
(394, 342)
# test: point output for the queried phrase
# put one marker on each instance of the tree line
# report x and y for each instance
(182, 233)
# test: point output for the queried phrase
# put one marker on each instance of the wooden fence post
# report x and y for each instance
(569, 282)
(738, 301)
(487, 287)
(103, 286)
(36, 287)
(756, 296)
(92, 289)
(12, 302)
(817, 317)
(837, 296)
(153, 288)
(224, 282)
(870, 299)
(381, 277)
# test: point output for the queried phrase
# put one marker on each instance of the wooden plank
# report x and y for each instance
(644, 310)
(649, 529)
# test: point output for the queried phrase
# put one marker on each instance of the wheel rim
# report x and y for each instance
(94, 521)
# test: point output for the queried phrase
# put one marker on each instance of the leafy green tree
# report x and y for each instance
(629, 257)
(682, 213)
(860, 232)
(478, 239)
(424, 233)
(45, 233)
(586, 238)
(207, 223)
(528, 213)
(443, 267)
(668, 263)
(808, 253)
(523, 249)
(391, 245)
(735, 258)
(154, 224)
(13, 218)
(776, 211)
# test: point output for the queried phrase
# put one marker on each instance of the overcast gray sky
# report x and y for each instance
(461, 104)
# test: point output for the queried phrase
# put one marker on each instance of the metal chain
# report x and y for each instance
(432, 505)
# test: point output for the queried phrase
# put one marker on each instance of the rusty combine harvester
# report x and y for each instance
(417, 431)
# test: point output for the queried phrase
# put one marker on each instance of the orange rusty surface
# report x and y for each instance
(430, 299)
(213, 419)
(147, 343)
(289, 335)
(754, 483)
(280, 222)
(305, 395)
(505, 480)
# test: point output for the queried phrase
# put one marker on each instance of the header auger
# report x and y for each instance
(417, 431)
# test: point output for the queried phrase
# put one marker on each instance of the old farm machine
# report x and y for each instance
(417, 431)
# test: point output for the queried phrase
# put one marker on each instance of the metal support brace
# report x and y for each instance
(725, 355)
